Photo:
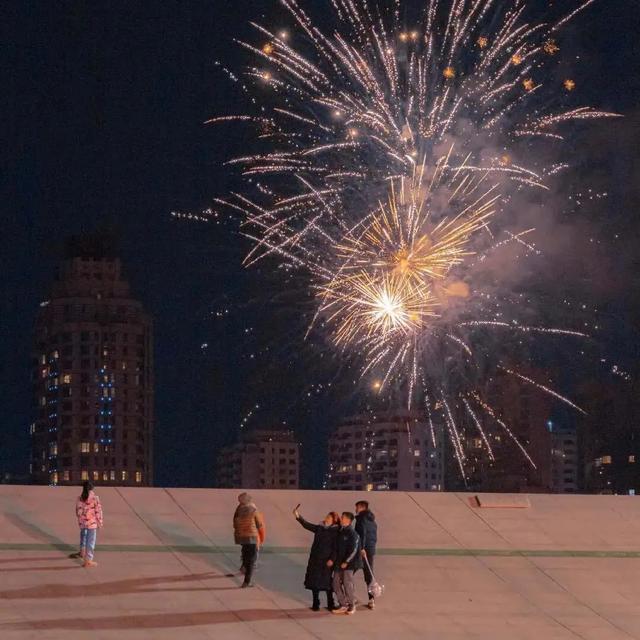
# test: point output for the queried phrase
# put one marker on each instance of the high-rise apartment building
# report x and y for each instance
(386, 451)
(564, 458)
(92, 375)
(263, 459)
(524, 412)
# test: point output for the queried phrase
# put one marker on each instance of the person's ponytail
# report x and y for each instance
(86, 488)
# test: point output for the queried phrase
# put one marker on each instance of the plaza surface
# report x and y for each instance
(509, 567)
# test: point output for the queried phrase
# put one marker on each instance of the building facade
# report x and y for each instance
(263, 459)
(386, 451)
(564, 458)
(92, 375)
(521, 413)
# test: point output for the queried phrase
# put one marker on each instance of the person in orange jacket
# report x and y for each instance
(250, 532)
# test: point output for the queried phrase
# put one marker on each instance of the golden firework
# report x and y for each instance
(569, 84)
(395, 273)
(516, 59)
(551, 47)
(449, 73)
(482, 41)
(528, 84)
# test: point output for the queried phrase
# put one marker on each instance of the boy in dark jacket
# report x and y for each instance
(346, 561)
(367, 529)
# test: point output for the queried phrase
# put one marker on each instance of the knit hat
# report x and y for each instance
(245, 498)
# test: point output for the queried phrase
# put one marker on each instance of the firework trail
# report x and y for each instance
(389, 163)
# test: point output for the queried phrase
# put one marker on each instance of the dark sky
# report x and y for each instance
(103, 104)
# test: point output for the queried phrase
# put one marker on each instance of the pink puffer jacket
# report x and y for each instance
(90, 512)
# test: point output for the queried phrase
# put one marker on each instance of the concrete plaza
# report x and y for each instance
(515, 567)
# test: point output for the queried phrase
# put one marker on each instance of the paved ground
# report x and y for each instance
(566, 567)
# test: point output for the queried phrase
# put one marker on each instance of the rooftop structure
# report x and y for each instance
(552, 567)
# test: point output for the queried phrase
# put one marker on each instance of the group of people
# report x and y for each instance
(342, 544)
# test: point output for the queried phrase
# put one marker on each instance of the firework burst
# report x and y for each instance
(390, 158)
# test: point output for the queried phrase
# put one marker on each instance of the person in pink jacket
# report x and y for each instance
(89, 513)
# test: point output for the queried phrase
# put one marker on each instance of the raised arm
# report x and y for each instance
(307, 525)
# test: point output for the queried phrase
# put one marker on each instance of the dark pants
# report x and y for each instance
(367, 569)
(316, 599)
(249, 557)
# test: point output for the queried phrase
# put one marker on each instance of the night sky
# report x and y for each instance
(103, 108)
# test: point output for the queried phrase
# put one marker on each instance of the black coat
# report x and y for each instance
(318, 575)
(348, 549)
(367, 529)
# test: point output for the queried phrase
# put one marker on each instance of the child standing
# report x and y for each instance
(89, 513)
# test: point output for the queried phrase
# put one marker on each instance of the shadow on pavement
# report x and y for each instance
(23, 569)
(31, 559)
(162, 620)
(132, 585)
(34, 531)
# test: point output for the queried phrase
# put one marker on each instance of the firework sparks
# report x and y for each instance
(361, 187)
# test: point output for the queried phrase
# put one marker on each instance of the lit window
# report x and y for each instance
(84, 474)
(66, 476)
(138, 476)
(54, 477)
(124, 475)
(55, 355)
(416, 453)
(43, 401)
(66, 378)
(43, 359)
(369, 487)
(32, 428)
(53, 448)
(96, 475)
(606, 459)
(96, 447)
(105, 475)
(359, 466)
(632, 458)
(85, 447)
(112, 475)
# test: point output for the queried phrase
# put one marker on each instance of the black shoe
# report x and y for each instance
(315, 607)
(246, 585)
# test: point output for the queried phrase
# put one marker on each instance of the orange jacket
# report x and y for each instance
(248, 525)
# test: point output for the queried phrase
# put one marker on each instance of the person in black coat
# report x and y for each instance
(319, 575)
(367, 529)
(346, 560)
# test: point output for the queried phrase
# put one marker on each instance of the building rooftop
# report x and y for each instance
(503, 567)
(98, 245)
